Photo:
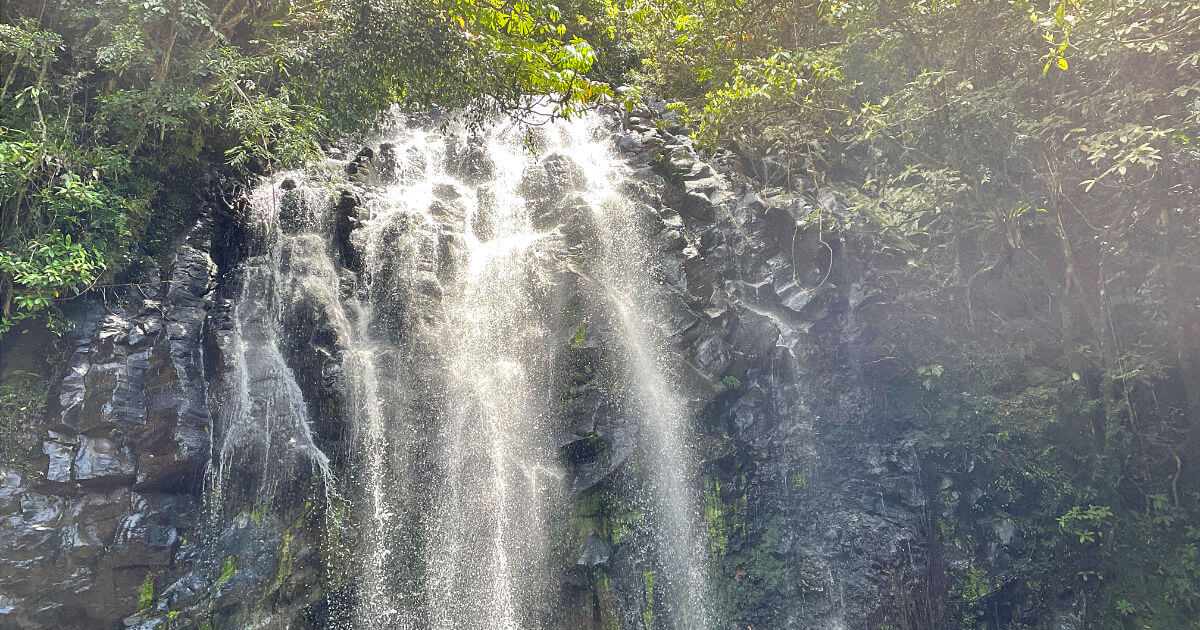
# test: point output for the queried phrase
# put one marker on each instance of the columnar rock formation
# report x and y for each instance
(261, 442)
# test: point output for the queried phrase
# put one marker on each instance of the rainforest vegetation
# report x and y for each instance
(1023, 173)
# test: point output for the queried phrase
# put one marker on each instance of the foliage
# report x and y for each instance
(689, 47)
(109, 105)
(1024, 172)
(146, 594)
(971, 589)
(1085, 524)
(931, 374)
(747, 110)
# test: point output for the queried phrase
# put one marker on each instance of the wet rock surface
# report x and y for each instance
(110, 519)
(813, 507)
(101, 503)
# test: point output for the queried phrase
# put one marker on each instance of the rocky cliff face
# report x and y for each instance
(98, 511)
(122, 514)
(814, 504)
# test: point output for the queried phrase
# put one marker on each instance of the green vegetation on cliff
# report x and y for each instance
(1025, 173)
(110, 108)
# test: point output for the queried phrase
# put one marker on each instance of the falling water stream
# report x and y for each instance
(445, 311)
(263, 428)
(488, 552)
(625, 281)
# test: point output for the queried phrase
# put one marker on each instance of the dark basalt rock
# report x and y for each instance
(345, 221)
(102, 462)
(571, 215)
(821, 507)
(622, 449)
(111, 482)
(595, 552)
(545, 183)
(468, 160)
(388, 162)
(830, 505)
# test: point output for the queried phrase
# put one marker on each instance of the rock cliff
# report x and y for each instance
(121, 513)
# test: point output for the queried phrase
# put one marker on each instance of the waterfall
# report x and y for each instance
(263, 431)
(623, 273)
(440, 294)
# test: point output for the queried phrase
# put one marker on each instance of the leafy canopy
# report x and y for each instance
(107, 105)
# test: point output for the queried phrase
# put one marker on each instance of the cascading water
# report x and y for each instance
(488, 558)
(263, 428)
(624, 279)
(443, 293)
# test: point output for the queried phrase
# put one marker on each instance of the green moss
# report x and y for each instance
(609, 615)
(228, 568)
(22, 399)
(799, 481)
(587, 516)
(285, 563)
(259, 513)
(716, 517)
(334, 522)
(750, 570)
(622, 522)
(648, 610)
(589, 504)
(146, 598)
